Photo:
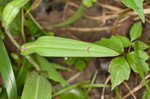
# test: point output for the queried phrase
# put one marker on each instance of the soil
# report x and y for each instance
(55, 11)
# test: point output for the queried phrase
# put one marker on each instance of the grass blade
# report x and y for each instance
(70, 20)
(7, 73)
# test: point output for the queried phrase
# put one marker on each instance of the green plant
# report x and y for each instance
(78, 62)
(37, 74)
(117, 43)
(133, 59)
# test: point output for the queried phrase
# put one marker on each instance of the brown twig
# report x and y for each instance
(94, 29)
(141, 85)
(103, 91)
(126, 85)
(110, 7)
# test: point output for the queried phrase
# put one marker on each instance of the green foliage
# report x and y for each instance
(2, 5)
(7, 73)
(119, 70)
(136, 31)
(124, 63)
(31, 26)
(22, 73)
(50, 70)
(80, 65)
(11, 10)
(78, 62)
(70, 20)
(15, 25)
(72, 94)
(142, 45)
(61, 47)
(137, 6)
(37, 87)
(132, 62)
(125, 41)
(37, 83)
(146, 95)
(139, 64)
(3, 95)
(88, 3)
(114, 43)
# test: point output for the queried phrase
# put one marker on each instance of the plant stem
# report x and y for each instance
(117, 93)
(35, 22)
(74, 77)
(29, 58)
(66, 89)
(12, 39)
(92, 82)
(22, 25)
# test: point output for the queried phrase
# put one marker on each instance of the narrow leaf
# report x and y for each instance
(22, 73)
(37, 87)
(72, 94)
(70, 20)
(62, 47)
(119, 71)
(59, 67)
(11, 10)
(50, 70)
(7, 73)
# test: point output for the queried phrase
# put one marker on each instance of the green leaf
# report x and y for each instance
(71, 61)
(15, 25)
(142, 45)
(31, 26)
(62, 47)
(136, 31)
(80, 65)
(88, 3)
(7, 73)
(0, 90)
(3, 2)
(143, 55)
(112, 43)
(66, 88)
(3, 95)
(132, 61)
(11, 10)
(119, 71)
(59, 67)
(37, 87)
(70, 20)
(125, 41)
(146, 95)
(139, 66)
(137, 6)
(50, 70)
(72, 94)
(22, 73)
(2, 5)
